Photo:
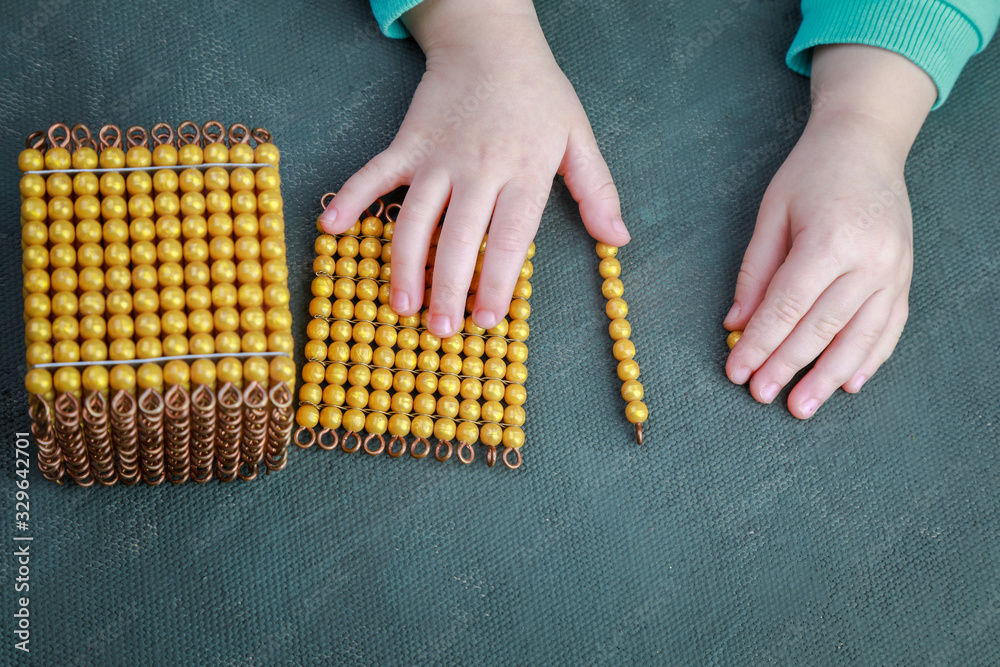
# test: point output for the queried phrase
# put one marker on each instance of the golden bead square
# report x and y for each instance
(378, 382)
(149, 258)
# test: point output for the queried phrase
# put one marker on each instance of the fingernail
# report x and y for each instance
(440, 325)
(769, 392)
(733, 313)
(486, 319)
(809, 407)
(741, 375)
(328, 217)
(618, 225)
(859, 382)
(400, 302)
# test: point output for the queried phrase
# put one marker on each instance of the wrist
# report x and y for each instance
(871, 91)
(487, 28)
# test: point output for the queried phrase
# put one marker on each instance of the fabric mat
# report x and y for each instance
(736, 535)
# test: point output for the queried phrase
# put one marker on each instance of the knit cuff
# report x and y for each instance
(387, 13)
(933, 34)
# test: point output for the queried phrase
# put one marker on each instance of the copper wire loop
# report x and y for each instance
(151, 449)
(86, 141)
(97, 437)
(228, 431)
(381, 207)
(260, 135)
(125, 437)
(422, 453)
(239, 134)
(638, 433)
(213, 131)
(35, 140)
(202, 434)
(188, 132)
(332, 444)
(298, 439)
(517, 457)
(491, 455)
(279, 427)
(357, 442)
(466, 454)
(323, 200)
(110, 143)
(66, 139)
(449, 448)
(379, 449)
(69, 435)
(157, 134)
(136, 136)
(50, 461)
(177, 432)
(393, 441)
(254, 429)
(391, 207)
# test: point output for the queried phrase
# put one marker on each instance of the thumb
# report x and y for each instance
(589, 181)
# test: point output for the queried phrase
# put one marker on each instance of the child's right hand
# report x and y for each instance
(491, 123)
(827, 272)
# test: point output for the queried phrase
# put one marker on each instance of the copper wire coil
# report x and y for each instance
(491, 455)
(328, 445)
(125, 437)
(177, 434)
(202, 433)
(228, 431)
(151, 451)
(279, 427)
(97, 436)
(50, 461)
(69, 435)
(252, 441)
(392, 450)
(466, 454)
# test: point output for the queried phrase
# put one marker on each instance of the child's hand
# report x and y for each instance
(491, 123)
(828, 268)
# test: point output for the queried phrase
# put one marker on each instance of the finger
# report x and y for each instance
(515, 221)
(418, 216)
(379, 176)
(462, 233)
(843, 357)
(589, 181)
(883, 348)
(767, 250)
(792, 292)
(814, 332)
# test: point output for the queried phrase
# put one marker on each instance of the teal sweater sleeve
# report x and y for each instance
(937, 35)
(387, 13)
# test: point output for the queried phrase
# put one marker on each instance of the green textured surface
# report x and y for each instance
(736, 535)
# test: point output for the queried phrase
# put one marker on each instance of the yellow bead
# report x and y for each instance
(267, 152)
(334, 394)
(122, 378)
(121, 349)
(447, 406)
(367, 290)
(282, 369)
(518, 330)
(612, 288)
(616, 308)
(241, 154)
(519, 309)
(65, 327)
(514, 394)
(632, 391)
(733, 338)
(338, 351)
(165, 155)
(176, 372)
(522, 290)
(34, 209)
(307, 416)
(623, 349)
(379, 400)
(628, 369)
(216, 153)
(84, 184)
(424, 404)
(218, 201)
(254, 341)
(85, 158)
(269, 201)
(64, 279)
(64, 303)
(139, 183)
(230, 369)
(244, 202)
(370, 248)
(406, 360)
(193, 203)
(165, 180)
(93, 350)
(202, 342)
(203, 372)
(66, 352)
(381, 378)
(190, 154)
(403, 381)
(636, 412)
(335, 373)
(149, 348)
(58, 158)
(172, 298)
(451, 363)
(60, 208)
(331, 417)
(604, 251)
(426, 383)
(67, 379)
(472, 367)
(347, 267)
(92, 327)
(444, 429)
(471, 388)
(120, 302)
(513, 436)
(494, 368)
(399, 425)
(275, 271)
(354, 420)
(256, 369)
(227, 342)
(619, 329)
(357, 396)
(516, 372)
(138, 156)
(33, 185)
(38, 381)
(491, 434)
(39, 353)
(610, 268)
(30, 160)
(175, 345)
(492, 411)
(272, 224)
(514, 414)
